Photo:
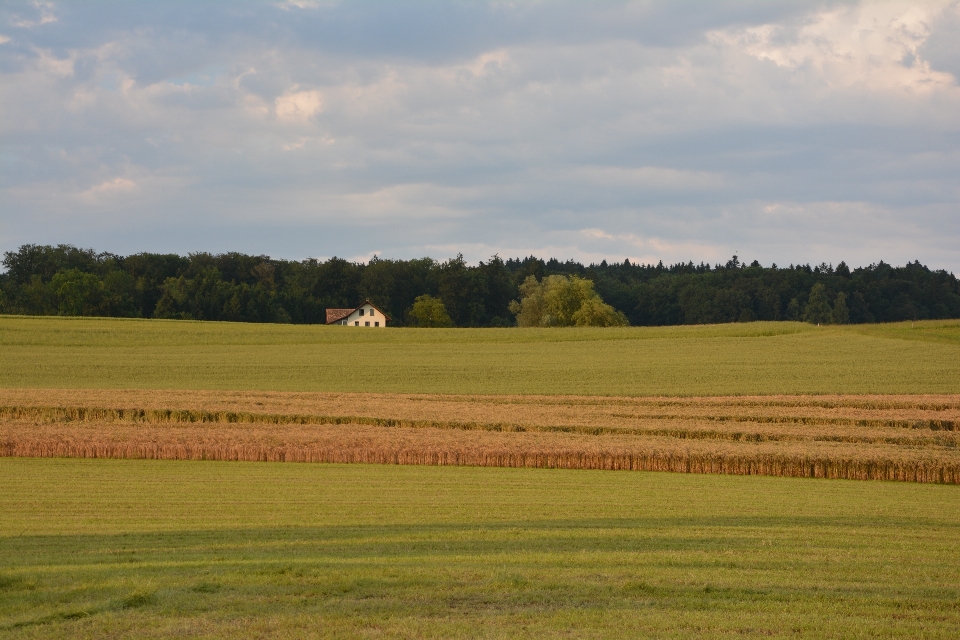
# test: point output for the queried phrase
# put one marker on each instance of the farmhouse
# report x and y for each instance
(366, 315)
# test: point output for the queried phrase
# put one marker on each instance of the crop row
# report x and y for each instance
(294, 438)
(783, 464)
(191, 416)
(783, 435)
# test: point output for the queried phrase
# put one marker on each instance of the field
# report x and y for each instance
(465, 537)
(158, 549)
(740, 359)
(863, 437)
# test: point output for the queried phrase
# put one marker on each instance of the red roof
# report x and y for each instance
(333, 315)
(336, 315)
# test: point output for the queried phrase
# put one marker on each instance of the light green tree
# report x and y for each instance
(561, 301)
(428, 311)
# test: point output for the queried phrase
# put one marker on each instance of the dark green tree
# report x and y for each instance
(455, 290)
(818, 309)
(235, 286)
(119, 295)
(77, 293)
(840, 313)
(793, 309)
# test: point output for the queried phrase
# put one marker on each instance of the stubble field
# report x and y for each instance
(166, 545)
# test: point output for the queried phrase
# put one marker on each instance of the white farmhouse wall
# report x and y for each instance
(370, 318)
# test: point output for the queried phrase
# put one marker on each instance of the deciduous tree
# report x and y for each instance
(428, 311)
(563, 301)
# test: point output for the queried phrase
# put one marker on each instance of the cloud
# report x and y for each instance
(875, 45)
(43, 14)
(298, 105)
(110, 187)
(785, 131)
(652, 178)
(306, 4)
(650, 250)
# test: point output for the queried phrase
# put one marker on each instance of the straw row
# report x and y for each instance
(725, 412)
(681, 462)
(842, 402)
(700, 435)
(187, 416)
(932, 425)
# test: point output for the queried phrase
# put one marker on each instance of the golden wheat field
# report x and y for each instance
(911, 438)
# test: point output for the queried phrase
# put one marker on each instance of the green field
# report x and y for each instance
(753, 358)
(162, 549)
(153, 549)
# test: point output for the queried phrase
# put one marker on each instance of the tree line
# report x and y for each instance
(66, 280)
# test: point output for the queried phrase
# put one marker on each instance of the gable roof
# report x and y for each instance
(336, 315)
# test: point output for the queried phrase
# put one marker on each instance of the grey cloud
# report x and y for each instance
(942, 48)
(628, 128)
(426, 31)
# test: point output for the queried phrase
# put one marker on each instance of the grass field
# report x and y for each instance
(753, 358)
(157, 549)
(177, 548)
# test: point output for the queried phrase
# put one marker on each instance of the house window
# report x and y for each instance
(361, 311)
(376, 324)
(357, 323)
(366, 324)
(371, 312)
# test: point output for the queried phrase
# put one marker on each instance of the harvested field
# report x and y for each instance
(911, 438)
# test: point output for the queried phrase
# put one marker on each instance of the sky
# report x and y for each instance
(786, 132)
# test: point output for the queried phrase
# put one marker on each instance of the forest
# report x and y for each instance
(67, 280)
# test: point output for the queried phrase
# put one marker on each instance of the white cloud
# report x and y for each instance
(411, 203)
(298, 105)
(489, 62)
(875, 45)
(293, 146)
(366, 256)
(54, 66)
(110, 187)
(46, 10)
(651, 249)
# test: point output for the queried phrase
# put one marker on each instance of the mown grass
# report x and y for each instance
(754, 358)
(158, 549)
